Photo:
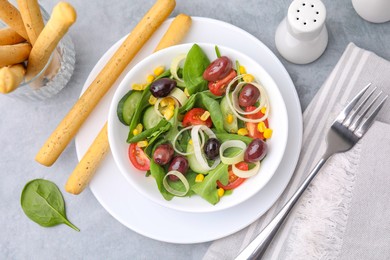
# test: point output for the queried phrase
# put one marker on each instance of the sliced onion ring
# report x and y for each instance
(237, 111)
(177, 136)
(179, 95)
(181, 178)
(157, 104)
(248, 173)
(175, 66)
(230, 144)
(198, 150)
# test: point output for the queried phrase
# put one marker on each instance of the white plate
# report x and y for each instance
(152, 220)
(117, 132)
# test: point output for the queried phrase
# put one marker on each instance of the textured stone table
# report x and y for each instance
(24, 126)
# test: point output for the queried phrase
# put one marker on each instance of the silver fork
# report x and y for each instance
(350, 125)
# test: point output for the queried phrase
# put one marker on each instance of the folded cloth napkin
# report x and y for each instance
(345, 212)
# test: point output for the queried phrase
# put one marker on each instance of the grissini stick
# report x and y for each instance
(88, 165)
(69, 126)
(8, 36)
(62, 17)
(32, 18)
(177, 31)
(13, 54)
(11, 16)
(11, 77)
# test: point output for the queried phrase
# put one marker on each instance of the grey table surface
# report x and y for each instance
(24, 126)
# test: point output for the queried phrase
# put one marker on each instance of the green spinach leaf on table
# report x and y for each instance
(43, 203)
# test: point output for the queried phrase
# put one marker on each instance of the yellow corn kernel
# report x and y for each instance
(171, 107)
(171, 101)
(205, 116)
(168, 114)
(263, 110)
(248, 78)
(164, 102)
(261, 127)
(152, 100)
(186, 92)
(142, 143)
(229, 118)
(137, 86)
(242, 70)
(138, 129)
(199, 177)
(267, 133)
(242, 131)
(221, 192)
(190, 141)
(159, 70)
(149, 79)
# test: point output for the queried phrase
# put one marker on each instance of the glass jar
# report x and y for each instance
(54, 76)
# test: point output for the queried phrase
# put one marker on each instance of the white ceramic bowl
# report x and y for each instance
(117, 132)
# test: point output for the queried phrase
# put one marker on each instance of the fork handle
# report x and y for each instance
(258, 246)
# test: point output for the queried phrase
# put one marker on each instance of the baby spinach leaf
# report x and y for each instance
(194, 66)
(151, 133)
(43, 203)
(206, 101)
(213, 107)
(207, 189)
(158, 174)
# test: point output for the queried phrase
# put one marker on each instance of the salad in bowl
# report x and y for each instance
(205, 124)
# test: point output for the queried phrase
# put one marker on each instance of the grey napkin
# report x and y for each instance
(345, 212)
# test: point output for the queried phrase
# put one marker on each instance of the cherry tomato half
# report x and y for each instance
(218, 87)
(138, 158)
(234, 180)
(253, 132)
(192, 117)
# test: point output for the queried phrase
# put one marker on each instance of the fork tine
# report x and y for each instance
(343, 114)
(361, 117)
(351, 116)
(367, 122)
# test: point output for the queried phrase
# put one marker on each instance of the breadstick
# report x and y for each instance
(86, 168)
(32, 18)
(88, 165)
(177, 31)
(69, 126)
(13, 54)
(8, 37)
(11, 16)
(11, 77)
(62, 17)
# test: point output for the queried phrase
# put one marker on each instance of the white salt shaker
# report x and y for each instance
(302, 37)
(375, 11)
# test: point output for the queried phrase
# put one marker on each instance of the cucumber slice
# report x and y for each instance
(225, 109)
(127, 105)
(150, 118)
(192, 162)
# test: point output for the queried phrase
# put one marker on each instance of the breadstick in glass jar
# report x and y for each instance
(8, 36)
(11, 77)
(62, 17)
(11, 16)
(32, 18)
(13, 54)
